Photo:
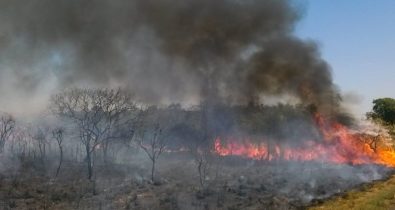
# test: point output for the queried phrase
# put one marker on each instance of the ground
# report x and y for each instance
(378, 195)
(232, 184)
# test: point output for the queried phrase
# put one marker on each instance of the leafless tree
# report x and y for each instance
(7, 125)
(154, 127)
(201, 149)
(58, 134)
(20, 142)
(40, 135)
(153, 145)
(97, 114)
(203, 159)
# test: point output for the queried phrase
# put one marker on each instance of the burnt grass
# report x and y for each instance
(232, 183)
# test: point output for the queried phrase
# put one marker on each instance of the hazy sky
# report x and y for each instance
(358, 39)
(355, 37)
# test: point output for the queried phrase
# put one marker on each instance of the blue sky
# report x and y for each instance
(357, 38)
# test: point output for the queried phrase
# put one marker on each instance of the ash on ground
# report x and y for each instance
(229, 183)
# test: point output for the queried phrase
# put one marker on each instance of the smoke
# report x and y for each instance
(164, 51)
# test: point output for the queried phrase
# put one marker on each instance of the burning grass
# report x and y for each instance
(338, 144)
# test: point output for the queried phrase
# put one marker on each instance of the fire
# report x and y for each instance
(339, 145)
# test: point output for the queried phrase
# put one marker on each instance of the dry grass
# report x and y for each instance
(376, 196)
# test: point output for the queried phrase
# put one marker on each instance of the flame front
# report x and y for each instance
(338, 145)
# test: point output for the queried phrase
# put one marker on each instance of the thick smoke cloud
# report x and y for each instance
(163, 50)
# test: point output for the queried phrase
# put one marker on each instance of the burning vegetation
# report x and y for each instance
(175, 109)
(101, 149)
(339, 144)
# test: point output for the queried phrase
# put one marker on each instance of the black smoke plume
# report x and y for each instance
(164, 50)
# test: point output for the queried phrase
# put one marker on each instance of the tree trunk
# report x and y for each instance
(105, 152)
(2, 143)
(153, 171)
(201, 178)
(60, 161)
(89, 161)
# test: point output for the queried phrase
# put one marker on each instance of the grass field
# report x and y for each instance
(379, 195)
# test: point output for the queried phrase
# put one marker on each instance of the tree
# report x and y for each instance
(40, 135)
(98, 115)
(7, 126)
(154, 130)
(153, 145)
(384, 113)
(201, 147)
(20, 142)
(57, 134)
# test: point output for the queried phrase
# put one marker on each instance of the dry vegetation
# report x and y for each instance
(232, 183)
(379, 195)
(99, 150)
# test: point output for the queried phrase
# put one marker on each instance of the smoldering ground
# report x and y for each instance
(163, 51)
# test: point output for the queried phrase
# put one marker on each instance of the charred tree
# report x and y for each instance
(57, 134)
(7, 125)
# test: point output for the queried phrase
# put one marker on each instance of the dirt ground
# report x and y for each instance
(231, 184)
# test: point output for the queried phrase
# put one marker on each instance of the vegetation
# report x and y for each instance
(7, 125)
(98, 116)
(92, 123)
(383, 113)
(93, 139)
(376, 196)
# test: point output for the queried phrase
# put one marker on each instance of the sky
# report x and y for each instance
(357, 38)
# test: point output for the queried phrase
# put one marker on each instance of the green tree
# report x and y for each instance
(384, 113)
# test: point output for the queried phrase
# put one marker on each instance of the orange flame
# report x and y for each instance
(339, 145)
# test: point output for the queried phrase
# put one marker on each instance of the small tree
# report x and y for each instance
(57, 134)
(202, 143)
(154, 127)
(153, 145)
(203, 160)
(7, 125)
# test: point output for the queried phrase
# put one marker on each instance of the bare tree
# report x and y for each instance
(20, 142)
(40, 136)
(153, 146)
(154, 127)
(201, 149)
(7, 125)
(57, 134)
(97, 114)
(203, 161)
(120, 114)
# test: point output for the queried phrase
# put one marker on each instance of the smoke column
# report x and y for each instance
(162, 50)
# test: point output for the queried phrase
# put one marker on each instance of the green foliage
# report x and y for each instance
(383, 110)
(384, 114)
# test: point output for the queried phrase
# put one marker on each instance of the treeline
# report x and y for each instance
(102, 120)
